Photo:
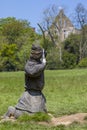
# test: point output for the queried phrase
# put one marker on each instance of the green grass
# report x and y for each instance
(65, 92)
(39, 116)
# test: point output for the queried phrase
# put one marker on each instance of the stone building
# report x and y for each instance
(62, 26)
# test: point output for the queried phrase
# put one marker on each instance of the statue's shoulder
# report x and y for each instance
(31, 63)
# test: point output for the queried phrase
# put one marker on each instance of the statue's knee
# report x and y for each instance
(11, 110)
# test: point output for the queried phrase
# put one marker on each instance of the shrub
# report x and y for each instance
(53, 59)
(69, 60)
(83, 63)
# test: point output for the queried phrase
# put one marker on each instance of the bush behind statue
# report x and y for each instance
(83, 63)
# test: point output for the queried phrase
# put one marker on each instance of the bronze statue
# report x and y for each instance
(32, 100)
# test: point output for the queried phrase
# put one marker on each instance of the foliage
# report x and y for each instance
(83, 63)
(47, 44)
(8, 56)
(71, 45)
(12, 30)
(15, 42)
(17, 36)
(53, 61)
(69, 60)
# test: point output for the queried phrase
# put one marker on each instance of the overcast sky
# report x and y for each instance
(32, 10)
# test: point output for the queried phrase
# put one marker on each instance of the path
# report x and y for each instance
(63, 120)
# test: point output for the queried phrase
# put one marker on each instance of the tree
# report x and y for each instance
(71, 45)
(16, 39)
(13, 28)
(8, 56)
(53, 61)
(52, 27)
(81, 20)
(69, 60)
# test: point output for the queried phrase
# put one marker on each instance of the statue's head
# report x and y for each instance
(36, 52)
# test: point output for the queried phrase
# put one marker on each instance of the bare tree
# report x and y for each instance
(52, 27)
(81, 20)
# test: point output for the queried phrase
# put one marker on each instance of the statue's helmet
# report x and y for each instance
(36, 52)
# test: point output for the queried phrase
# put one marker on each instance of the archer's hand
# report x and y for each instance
(44, 61)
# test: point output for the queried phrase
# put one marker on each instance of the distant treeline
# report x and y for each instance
(17, 36)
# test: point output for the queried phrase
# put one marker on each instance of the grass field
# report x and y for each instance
(65, 92)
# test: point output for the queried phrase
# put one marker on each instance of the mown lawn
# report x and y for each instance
(65, 91)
